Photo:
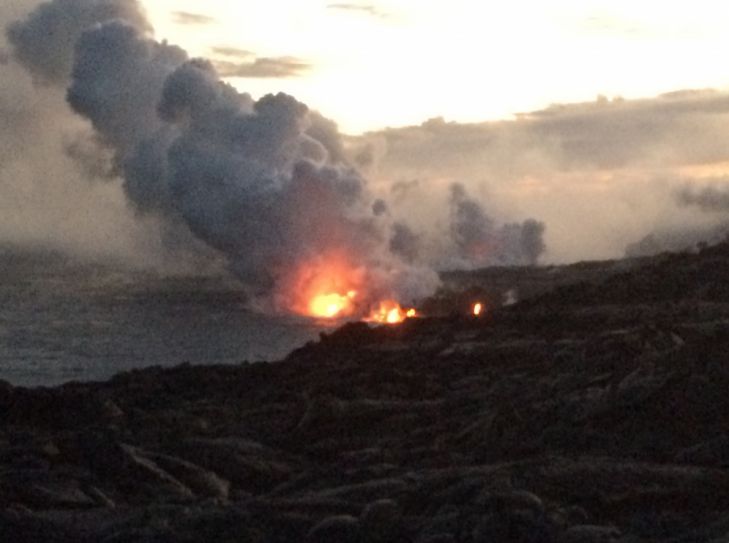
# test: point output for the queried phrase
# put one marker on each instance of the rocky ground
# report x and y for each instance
(598, 412)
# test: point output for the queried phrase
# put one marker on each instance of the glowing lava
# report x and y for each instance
(390, 312)
(477, 309)
(330, 287)
(329, 306)
(324, 287)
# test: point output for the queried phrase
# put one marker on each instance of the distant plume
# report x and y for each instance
(677, 240)
(597, 173)
(480, 242)
(708, 199)
(405, 242)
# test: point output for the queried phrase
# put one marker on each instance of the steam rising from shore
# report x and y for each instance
(263, 183)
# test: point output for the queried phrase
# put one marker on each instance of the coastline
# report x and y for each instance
(596, 412)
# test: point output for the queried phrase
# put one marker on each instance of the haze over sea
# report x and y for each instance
(61, 320)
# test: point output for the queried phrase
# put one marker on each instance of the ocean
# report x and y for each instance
(62, 320)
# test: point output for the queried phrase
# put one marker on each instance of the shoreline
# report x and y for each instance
(594, 412)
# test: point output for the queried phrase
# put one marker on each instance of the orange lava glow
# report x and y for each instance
(329, 287)
(329, 306)
(477, 309)
(390, 312)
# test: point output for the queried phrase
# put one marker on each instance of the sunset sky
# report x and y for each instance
(391, 63)
(606, 121)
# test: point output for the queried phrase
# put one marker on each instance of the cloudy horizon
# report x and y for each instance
(598, 174)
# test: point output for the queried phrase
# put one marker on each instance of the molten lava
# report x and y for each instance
(330, 287)
(325, 287)
(477, 309)
(390, 312)
(330, 306)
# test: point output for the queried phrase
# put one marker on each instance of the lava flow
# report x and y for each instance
(477, 309)
(332, 305)
(329, 287)
(390, 312)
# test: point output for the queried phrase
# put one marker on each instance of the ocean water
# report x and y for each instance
(61, 320)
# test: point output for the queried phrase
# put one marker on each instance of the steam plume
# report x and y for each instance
(480, 242)
(707, 199)
(264, 182)
(44, 42)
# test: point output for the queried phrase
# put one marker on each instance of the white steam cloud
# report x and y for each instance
(264, 183)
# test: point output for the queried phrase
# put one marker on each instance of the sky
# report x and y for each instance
(369, 65)
(605, 122)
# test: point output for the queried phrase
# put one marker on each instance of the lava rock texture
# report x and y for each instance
(598, 412)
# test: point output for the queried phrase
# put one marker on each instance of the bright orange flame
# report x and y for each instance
(324, 287)
(328, 286)
(477, 309)
(329, 306)
(390, 312)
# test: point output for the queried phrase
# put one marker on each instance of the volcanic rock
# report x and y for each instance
(595, 412)
(341, 529)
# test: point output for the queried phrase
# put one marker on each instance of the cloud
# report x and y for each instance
(605, 134)
(262, 183)
(59, 183)
(678, 239)
(599, 174)
(187, 18)
(611, 26)
(235, 62)
(278, 67)
(51, 197)
(44, 41)
(711, 199)
(479, 241)
(266, 182)
(365, 9)
(233, 52)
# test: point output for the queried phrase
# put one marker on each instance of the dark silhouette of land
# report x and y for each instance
(592, 412)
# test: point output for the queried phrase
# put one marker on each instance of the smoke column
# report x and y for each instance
(479, 242)
(263, 182)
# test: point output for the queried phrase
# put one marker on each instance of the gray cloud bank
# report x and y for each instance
(114, 143)
(709, 199)
(600, 174)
